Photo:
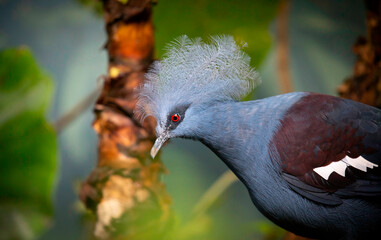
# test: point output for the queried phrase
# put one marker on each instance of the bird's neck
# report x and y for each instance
(239, 132)
(236, 133)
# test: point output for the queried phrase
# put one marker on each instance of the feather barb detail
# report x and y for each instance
(193, 71)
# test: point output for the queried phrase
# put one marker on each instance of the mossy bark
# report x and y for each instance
(124, 190)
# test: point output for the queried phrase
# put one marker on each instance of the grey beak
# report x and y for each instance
(158, 143)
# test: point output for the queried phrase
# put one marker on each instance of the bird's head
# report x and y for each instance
(192, 76)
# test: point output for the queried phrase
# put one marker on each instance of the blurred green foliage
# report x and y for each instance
(94, 5)
(247, 20)
(28, 146)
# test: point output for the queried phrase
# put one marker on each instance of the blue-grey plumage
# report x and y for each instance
(240, 134)
(309, 161)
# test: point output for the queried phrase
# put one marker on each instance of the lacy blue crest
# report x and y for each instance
(193, 71)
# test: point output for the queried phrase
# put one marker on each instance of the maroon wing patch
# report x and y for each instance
(320, 130)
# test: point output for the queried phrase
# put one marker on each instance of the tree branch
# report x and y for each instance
(63, 121)
(283, 52)
(214, 192)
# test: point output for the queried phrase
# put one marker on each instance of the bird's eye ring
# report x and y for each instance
(175, 117)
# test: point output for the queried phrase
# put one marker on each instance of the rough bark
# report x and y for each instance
(365, 84)
(124, 190)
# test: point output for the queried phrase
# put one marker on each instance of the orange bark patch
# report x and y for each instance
(134, 40)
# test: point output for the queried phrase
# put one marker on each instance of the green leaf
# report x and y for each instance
(123, 1)
(28, 146)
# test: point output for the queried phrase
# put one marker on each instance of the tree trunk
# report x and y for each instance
(124, 190)
(365, 84)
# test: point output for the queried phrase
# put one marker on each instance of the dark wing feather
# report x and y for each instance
(310, 192)
(319, 130)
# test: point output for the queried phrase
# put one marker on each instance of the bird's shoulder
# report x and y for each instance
(328, 148)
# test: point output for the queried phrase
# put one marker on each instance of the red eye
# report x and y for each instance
(175, 117)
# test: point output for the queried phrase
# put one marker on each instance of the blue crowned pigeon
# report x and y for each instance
(309, 161)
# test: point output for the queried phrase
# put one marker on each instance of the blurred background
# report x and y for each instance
(52, 60)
